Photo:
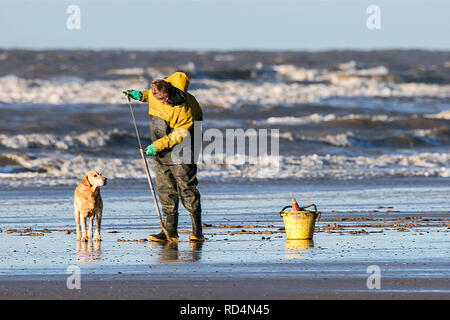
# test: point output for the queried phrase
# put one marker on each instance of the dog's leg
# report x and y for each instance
(83, 227)
(77, 222)
(91, 223)
(97, 229)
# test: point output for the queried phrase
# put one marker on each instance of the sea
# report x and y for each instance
(336, 115)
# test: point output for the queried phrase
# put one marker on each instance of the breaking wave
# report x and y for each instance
(416, 138)
(69, 170)
(319, 118)
(441, 115)
(279, 89)
(89, 139)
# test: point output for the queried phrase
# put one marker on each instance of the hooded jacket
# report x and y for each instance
(171, 123)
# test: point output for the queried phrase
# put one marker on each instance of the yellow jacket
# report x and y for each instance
(180, 118)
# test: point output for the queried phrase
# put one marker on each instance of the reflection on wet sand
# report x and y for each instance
(88, 251)
(168, 252)
(297, 248)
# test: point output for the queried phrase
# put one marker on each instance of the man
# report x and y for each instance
(173, 112)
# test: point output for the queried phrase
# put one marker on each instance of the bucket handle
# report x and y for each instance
(282, 210)
(304, 209)
(317, 213)
(312, 204)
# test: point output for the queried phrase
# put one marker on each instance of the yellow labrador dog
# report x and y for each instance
(88, 204)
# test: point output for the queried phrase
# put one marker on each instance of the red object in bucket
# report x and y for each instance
(295, 206)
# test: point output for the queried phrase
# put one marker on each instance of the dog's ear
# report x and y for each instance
(85, 181)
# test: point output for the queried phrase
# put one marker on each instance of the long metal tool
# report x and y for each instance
(149, 178)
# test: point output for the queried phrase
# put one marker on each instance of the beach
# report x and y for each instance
(402, 230)
(362, 135)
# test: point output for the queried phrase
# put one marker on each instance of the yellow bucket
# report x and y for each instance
(299, 225)
(299, 244)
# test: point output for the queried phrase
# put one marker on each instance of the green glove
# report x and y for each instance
(150, 150)
(133, 94)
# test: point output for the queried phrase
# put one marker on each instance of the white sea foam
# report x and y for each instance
(18, 90)
(214, 92)
(241, 93)
(337, 140)
(434, 133)
(69, 170)
(91, 139)
(343, 72)
(441, 115)
(318, 118)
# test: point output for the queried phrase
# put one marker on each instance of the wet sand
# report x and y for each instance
(403, 231)
(318, 286)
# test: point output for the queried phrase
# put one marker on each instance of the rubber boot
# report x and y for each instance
(157, 237)
(197, 234)
(171, 224)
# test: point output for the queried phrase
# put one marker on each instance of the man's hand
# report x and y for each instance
(150, 150)
(133, 94)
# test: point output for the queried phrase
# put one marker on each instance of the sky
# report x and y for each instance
(224, 25)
